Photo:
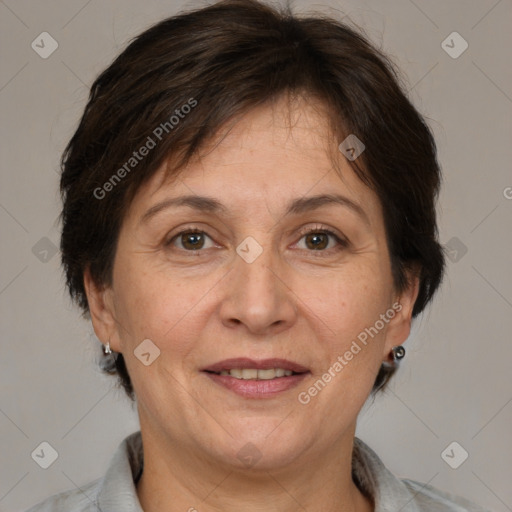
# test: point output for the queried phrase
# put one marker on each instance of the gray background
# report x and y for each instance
(454, 384)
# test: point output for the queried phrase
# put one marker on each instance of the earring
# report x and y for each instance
(398, 353)
(106, 349)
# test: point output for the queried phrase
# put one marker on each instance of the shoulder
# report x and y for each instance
(113, 492)
(74, 500)
(430, 499)
(391, 493)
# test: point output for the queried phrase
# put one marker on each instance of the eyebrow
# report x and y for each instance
(295, 207)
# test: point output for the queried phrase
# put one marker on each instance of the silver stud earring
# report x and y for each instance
(398, 352)
(106, 349)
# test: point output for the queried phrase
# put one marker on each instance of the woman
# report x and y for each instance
(249, 221)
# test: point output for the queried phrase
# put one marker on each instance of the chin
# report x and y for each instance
(260, 445)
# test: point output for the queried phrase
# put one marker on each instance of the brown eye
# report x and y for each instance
(190, 240)
(317, 241)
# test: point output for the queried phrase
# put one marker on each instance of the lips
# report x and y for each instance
(256, 379)
(243, 363)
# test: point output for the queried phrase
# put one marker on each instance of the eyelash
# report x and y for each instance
(342, 242)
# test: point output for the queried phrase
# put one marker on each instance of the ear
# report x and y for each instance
(102, 310)
(399, 326)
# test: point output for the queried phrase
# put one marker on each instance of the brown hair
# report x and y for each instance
(221, 61)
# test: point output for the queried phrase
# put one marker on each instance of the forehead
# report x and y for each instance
(274, 152)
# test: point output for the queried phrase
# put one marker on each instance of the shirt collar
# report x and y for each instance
(376, 481)
(118, 491)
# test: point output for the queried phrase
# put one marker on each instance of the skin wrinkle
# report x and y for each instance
(287, 303)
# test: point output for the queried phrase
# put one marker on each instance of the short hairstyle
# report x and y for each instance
(179, 82)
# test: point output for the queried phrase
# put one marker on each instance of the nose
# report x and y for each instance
(257, 297)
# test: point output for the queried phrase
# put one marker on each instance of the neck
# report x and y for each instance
(175, 479)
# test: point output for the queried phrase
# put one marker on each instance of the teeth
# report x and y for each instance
(249, 373)
(266, 374)
(253, 374)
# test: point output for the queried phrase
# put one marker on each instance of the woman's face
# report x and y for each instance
(231, 273)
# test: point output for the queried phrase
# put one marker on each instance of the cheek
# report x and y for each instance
(160, 306)
(349, 305)
(351, 300)
(348, 312)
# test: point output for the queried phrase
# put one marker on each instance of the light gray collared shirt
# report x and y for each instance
(116, 491)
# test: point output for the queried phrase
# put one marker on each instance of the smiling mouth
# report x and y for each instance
(257, 378)
(244, 368)
(256, 374)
